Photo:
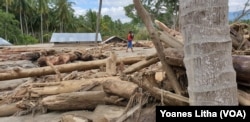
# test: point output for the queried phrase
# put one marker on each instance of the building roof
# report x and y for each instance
(75, 37)
(115, 38)
(3, 42)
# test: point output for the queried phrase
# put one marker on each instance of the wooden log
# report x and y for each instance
(32, 56)
(140, 65)
(115, 100)
(169, 40)
(244, 98)
(11, 84)
(111, 64)
(165, 28)
(104, 113)
(121, 88)
(167, 97)
(170, 33)
(74, 101)
(64, 68)
(146, 18)
(43, 89)
(8, 109)
(57, 60)
(58, 77)
(123, 117)
(241, 65)
(174, 57)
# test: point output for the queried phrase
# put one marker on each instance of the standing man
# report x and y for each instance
(130, 39)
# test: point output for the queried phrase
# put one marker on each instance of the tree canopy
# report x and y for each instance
(33, 21)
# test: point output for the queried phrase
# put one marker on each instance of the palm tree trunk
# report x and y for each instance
(26, 24)
(6, 2)
(41, 17)
(21, 20)
(61, 29)
(98, 21)
(208, 60)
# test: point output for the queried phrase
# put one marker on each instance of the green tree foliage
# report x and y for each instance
(33, 20)
(10, 24)
(12, 30)
(165, 11)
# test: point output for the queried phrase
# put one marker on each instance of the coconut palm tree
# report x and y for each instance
(64, 12)
(7, 4)
(43, 9)
(98, 20)
(208, 46)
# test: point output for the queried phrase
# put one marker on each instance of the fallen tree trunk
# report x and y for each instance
(22, 73)
(41, 89)
(8, 109)
(167, 97)
(158, 45)
(11, 84)
(174, 56)
(244, 98)
(111, 64)
(121, 88)
(57, 60)
(140, 65)
(74, 101)
(170, 41)
(241, 64)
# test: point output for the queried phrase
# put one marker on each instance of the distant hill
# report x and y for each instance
(233, 15)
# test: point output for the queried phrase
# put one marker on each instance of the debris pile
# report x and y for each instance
(103, 83)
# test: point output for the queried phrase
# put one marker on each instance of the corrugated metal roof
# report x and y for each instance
(3, 42)
(112, 37)
(75, 37)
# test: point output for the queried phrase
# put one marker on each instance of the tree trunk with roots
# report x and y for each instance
(207, 48)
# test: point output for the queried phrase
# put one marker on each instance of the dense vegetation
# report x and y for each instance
(34, 21)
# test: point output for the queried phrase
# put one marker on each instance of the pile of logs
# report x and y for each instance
(240, 36)
(103, 87)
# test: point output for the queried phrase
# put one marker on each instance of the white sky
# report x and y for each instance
(114, 8)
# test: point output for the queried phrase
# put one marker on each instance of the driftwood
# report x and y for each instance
(8, 109)
(174, 57)
(244, 98)
(166, 97)
(11, 84)
(166, 29)
(171, 41)
(22, 73)
(121, 88)
(140, 65)
(240, 36)
(57, 60)
(107, 113)
(156, 41)
(241, 64)
(41, 89)
(129, 113)
(74, 101)
(111, 64)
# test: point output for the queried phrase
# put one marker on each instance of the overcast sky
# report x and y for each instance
(114, 8)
